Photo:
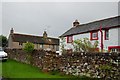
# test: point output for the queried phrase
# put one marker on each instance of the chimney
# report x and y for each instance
(45, 34)
(76, 23)
(11, 31)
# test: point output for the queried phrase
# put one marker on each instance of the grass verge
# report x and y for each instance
(14, 69)
(17, 70)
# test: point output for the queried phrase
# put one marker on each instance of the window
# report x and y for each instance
(57, 48)
(69, 39)
(20, 43)
(41, 46)
(106, 34)
(114, 48)
(94, 35)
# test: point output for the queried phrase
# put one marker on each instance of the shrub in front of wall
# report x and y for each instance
(85, 45)
(29, 47)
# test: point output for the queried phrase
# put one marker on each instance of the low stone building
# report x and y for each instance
(17, 41)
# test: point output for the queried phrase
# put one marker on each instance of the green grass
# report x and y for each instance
(0, 69)
(14, 69)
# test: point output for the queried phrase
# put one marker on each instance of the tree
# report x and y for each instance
(3, 41)
(29, 47)
(84, 45)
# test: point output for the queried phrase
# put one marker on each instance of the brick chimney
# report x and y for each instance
(76, 23)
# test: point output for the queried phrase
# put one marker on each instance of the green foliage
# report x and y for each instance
(84, 45)
(3, 41)
(63, 45)
(29, 47)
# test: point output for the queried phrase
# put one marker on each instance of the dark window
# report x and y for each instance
(20, 43)
(57, 47)
(106, 34)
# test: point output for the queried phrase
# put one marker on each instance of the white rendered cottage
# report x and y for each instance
(106, 31)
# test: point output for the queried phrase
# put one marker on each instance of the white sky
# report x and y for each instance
(56, 18)
(60, 0)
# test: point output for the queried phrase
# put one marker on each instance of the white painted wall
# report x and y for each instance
(80, 36)
(119, 36)
(114, 39)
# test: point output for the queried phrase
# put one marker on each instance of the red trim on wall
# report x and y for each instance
(106, 34)
(67, 38)
(113, 47)
(90, 35)
(91, 38)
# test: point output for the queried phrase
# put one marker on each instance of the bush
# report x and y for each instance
(84, 45)
(29, 47)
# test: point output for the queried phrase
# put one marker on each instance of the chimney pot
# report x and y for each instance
(76, 23)
(11, 31)
(45, 34)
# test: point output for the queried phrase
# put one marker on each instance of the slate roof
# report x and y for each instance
(105, 23)
(34, 39)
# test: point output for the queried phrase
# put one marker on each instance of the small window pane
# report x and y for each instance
(94, 35)
(70, 39)
(107, 34)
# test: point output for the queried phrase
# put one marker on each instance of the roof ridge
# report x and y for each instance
(27, 35)
(33, 35)
(98, 20)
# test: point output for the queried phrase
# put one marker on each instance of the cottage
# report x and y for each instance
(105, 31)
(17, 41)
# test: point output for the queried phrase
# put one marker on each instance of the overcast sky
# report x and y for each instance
(56, 18)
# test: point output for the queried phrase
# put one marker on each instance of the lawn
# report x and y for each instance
(14, 69)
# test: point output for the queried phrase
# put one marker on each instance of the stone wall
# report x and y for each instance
(95, 65)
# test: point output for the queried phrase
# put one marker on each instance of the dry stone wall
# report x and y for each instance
(95, 65)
